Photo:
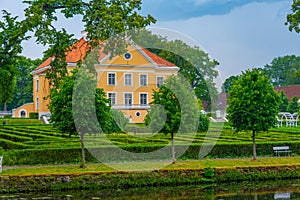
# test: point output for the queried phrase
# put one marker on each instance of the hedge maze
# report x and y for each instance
(32, 139)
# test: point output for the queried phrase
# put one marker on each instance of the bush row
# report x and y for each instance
(14, 138)
(108, 154)
(34, 136)
(8, 144)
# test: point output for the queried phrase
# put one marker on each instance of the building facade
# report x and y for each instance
(128, 80)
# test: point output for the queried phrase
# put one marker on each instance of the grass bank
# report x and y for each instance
(98, 176)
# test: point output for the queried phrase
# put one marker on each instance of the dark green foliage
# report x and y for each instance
(120, 119)
(8, 144)
(12, 34)
(194, 64)
(34, 115)
(7, 117)
(174, 107)
(88, 100)
(282, 70)
(293, 106)
(284, 102)
(293, 18)
(103, 20)
(228, 83)
(252, 104)
(203, 123)
(23, 92)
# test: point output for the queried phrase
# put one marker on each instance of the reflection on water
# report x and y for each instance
(279, 190)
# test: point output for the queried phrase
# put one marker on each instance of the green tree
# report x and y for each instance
(102, 20)
(62, 107)
(284, 102)
(293, 106)
(283, 70)
(252, 104)
(174, 109)
(12, 34)
(194, 64)
(23, 92)
(293, 18)
(228, 83)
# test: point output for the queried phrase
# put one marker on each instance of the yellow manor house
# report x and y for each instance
(128, 80)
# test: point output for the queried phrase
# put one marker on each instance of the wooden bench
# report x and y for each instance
(282, 149)
(1, 158)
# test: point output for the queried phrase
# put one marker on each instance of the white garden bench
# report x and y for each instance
(1, 158)
(282, 149)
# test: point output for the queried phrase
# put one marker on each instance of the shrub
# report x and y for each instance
(7, 117)
(203, 123)
(34, 115)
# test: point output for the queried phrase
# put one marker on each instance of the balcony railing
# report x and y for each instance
(131, 107)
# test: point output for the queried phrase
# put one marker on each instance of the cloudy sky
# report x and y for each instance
(239, 34)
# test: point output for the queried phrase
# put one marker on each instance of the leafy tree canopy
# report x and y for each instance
(174, 109)
(23, 92)
(228, 83)
(252, 104)
(102, 20)
(293, 106)
(195, 65)
(62, 106)
(284, 102)
(293, 19)
(12, 33)
(283, 70)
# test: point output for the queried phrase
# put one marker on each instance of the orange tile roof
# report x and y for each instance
(79, 49)
(158, 60)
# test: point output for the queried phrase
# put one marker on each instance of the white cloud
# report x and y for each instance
(249, 36)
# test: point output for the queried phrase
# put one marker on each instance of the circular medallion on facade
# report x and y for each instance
(127, 56)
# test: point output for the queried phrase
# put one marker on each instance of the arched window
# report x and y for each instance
(23, 114)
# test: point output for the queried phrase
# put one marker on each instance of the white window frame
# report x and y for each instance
(108, 78)
(124, 94)
(146, 79)
(108, 93)
(126, 79)
(163, 78)
(141, 93)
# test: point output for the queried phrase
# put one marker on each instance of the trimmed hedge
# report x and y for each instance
(8, 144)
(15, 138)
(34, 115)
(73, 155)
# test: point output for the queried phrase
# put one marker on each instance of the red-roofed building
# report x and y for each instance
(128, 79)
(290, 91)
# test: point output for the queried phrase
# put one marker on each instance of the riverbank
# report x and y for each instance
(97, 176)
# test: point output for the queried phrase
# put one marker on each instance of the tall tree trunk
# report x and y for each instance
(173, 150)
(82, 151)
(254, 145)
